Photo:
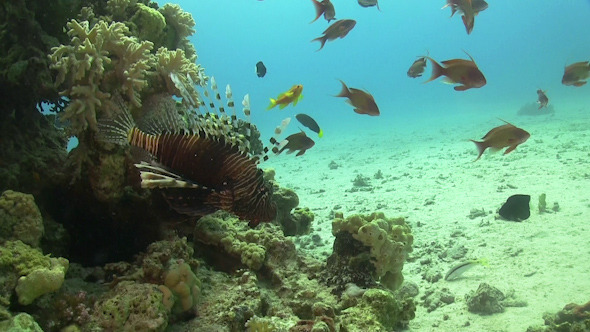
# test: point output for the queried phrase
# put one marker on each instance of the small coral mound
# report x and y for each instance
(370, 247)
(20, 218)
(378, 310)
(131, 306)
(573, 317)
(486, 300)
(29, 272)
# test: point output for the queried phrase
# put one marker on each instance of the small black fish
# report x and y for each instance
(296, 142)
(260, 69)
(516, 208)
(310, 123)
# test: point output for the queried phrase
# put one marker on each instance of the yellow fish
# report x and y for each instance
(293, 95)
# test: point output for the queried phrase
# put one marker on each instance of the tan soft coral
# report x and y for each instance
(99, 61)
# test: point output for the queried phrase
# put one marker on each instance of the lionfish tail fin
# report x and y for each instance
(118, 129)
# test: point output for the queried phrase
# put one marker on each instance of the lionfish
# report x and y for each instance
(200, 162)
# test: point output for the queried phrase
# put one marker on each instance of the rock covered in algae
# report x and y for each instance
(169, 266)
(378, 310)
(572, 318)
(22, 322)
(131, 306)
(486, 300)
(27, 271)
(369, 247)
(20, 219)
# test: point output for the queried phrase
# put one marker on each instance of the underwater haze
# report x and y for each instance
(520, 46)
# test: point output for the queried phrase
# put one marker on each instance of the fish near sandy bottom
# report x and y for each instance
(291, 96)
(576, 74)
(456, 271)
(310, 123)
(507, 135)
(296, 142)
(338, 29)
(516, 208)
(200, 162)
(362, 101)
(542, 98)
(324, 7)
(458, 71)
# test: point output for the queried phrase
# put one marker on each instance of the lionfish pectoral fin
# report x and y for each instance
(158, 177)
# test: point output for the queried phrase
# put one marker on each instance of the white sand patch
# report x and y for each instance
(429, 178)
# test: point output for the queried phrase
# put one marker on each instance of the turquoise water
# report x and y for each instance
(520, 46)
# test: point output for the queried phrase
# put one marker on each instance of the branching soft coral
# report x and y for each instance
(99, 61)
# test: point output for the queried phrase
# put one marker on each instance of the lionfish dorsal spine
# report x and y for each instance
(117, 130)
(274, 142)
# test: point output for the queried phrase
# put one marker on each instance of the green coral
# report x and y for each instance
(131, 306)
(181, 288)
(248, 245)
(388, 240)
(41, 281)
(22, 322)
(150, 23)
(378, 310)
(20, 219)
(37, 274)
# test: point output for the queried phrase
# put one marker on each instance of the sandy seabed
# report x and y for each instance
(429, 177)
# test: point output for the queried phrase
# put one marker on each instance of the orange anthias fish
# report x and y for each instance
(477, 5)
(469, 8)
(543, 100)
(324, 7)
(458, 71)
(576, 74)
(362, 101)
(338, 29)
(293, 95)
(507, 135)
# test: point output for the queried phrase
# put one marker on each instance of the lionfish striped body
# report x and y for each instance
(203, 166)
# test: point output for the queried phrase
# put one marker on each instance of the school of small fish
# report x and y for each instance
(464, 74)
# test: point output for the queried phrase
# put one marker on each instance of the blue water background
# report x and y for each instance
(520, 46)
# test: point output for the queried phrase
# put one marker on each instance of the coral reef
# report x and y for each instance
(296, 223)
(107, 57)
(369, 248)
(131, 306)
(378, 310)
(22, 322)
(20, 218)
(572, 318)
(27, 271)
